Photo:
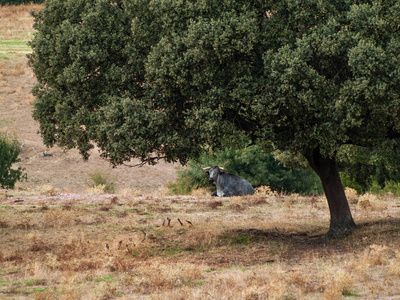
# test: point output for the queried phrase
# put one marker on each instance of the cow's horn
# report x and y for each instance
(223, 168)
(204, 169)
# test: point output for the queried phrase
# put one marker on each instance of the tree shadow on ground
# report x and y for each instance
(253, 246)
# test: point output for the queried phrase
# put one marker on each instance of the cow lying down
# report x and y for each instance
(228, 184)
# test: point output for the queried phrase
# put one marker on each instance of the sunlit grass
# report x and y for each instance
(124, 246)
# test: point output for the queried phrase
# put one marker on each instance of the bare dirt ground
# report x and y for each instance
(65, 170)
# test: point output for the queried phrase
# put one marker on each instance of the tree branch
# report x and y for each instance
(150, 161)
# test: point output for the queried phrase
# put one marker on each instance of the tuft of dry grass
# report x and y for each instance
(337, 282)
(351, 195)
(48, 190)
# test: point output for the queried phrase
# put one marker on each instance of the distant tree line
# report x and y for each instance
(17, 2)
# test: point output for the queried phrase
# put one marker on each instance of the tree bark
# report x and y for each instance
(341, 223)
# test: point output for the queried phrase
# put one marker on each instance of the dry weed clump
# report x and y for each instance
(131, 192)
(57, 218)
(337, 282)
(254, 293)
(157, 276)
(370, 202)
(48, 190)
(265, 191)
(351, 195)
(304, 282)
(260, 283)
(202, 239)
(37, 244)
(97, 190)
(45, 295)
(376, 255)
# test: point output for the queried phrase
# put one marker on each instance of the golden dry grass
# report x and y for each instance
(69, 246)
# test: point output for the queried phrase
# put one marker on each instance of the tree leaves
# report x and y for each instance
(173, 79)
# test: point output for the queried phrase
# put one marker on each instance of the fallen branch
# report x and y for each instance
(144, 235)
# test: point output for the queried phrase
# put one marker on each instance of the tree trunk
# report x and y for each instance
(341, 223)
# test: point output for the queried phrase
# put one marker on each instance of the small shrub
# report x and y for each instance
(101, 183)
(9, 152)
(390, 187)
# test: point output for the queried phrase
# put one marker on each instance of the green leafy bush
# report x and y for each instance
(253, 164)
(390, 187)
(9, 152)
(98, 178)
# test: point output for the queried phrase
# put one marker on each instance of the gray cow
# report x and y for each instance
(228, 184)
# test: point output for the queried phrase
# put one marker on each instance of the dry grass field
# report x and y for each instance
(133, 246)
(59, 240)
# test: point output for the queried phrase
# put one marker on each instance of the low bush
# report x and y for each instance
(101, 181)
(9, 152)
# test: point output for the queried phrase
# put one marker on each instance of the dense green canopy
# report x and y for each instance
(172, 79)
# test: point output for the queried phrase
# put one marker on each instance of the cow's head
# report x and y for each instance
(213, 172)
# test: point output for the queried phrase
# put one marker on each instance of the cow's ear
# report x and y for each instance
(207, 173)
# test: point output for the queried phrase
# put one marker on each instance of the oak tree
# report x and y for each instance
(154, 79)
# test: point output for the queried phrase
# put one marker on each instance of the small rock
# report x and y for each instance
(45, 153)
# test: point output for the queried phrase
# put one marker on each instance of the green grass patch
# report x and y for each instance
(160, 233)
(349, 294)
(173, 251)
(241, 240)
(14, 45)
(237, 240)
(35, 282)
(107, 278)
(7, 56)
(199, 282)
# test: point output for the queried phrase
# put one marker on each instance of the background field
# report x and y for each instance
(64, 170)
(60, 241)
